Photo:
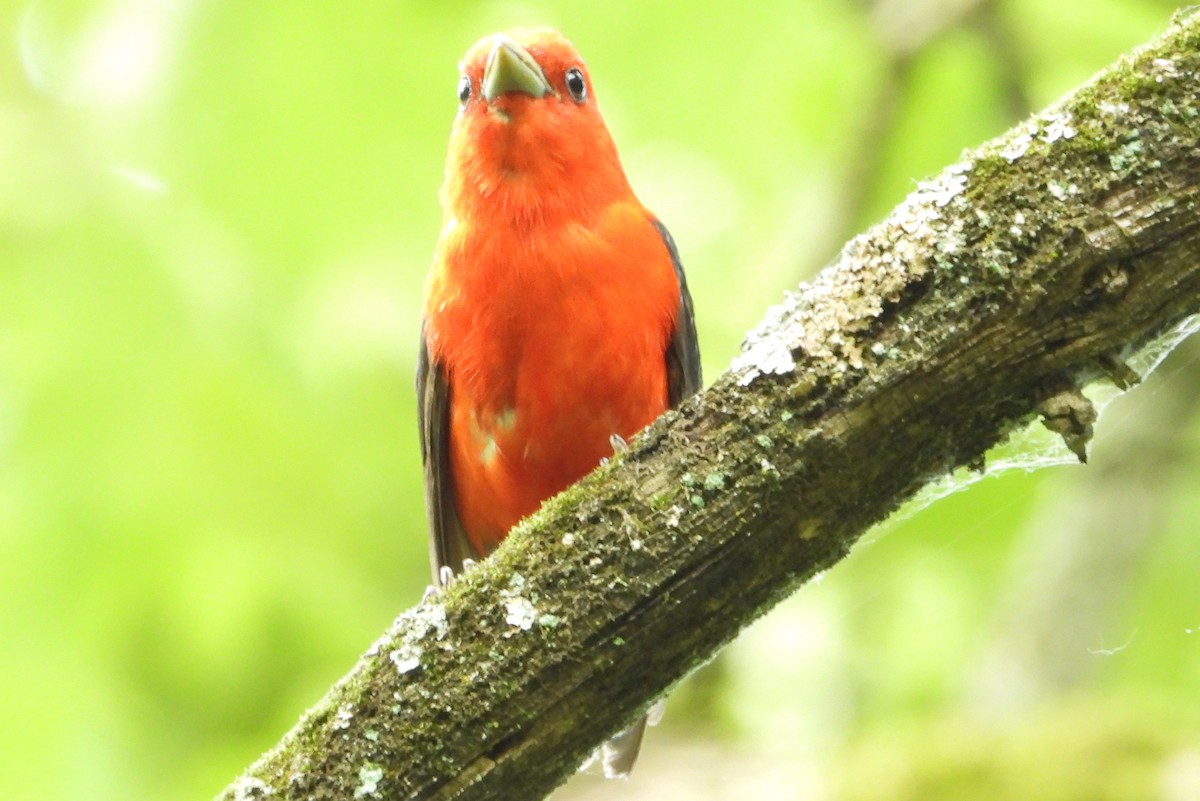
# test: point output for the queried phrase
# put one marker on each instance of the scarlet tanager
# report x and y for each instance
(557, 318)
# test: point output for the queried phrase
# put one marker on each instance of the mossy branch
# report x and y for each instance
(1033, 266)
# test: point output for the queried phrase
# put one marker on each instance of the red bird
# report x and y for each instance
(557, 318)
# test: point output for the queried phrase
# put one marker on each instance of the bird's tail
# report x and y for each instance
(618, 756)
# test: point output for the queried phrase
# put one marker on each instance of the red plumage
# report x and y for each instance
(556, 312)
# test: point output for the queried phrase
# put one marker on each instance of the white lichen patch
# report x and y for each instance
(950, 244)
(369, 776)
(1062, 192)
(1055, 126)
(872, 271)
(952, 241)
(1019, 142)
(944, 188)
(417, 625)
(1164, 68)
(344, 716)
(407, 657)
(431, 617)
(520, 613)
(1049, 127)
(1018, 221)
(762, 352)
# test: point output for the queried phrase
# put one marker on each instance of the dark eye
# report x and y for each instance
(464, 90)
(576, 85)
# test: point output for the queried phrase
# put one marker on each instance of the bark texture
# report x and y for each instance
(1035, 265)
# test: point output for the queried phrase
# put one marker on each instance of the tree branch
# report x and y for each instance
(1032, 267)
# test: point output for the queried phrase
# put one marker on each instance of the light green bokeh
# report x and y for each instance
(215, 219)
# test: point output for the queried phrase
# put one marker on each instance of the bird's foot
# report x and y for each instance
(445, 577)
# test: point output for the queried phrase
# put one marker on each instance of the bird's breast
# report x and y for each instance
(551, 344)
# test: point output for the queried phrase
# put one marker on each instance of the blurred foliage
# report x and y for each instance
(214, 223)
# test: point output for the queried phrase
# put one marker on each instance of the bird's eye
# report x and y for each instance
(576, 85)
(464, 90)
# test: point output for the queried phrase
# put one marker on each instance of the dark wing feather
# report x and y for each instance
(448, 543)
(683, 351)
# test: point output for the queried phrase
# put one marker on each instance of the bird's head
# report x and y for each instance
(528, 128)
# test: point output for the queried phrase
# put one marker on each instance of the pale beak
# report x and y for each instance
(510, 68)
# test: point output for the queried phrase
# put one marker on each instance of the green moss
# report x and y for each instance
(660, 501)
(989, 166)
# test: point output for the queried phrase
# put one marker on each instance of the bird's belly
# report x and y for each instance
(551, 345)
(574, 389)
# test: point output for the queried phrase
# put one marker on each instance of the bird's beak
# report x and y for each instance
(510, 68)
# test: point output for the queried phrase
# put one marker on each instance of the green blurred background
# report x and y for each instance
(215, 219)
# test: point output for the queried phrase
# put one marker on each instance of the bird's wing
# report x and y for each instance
(448, 543)
(683, 351)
